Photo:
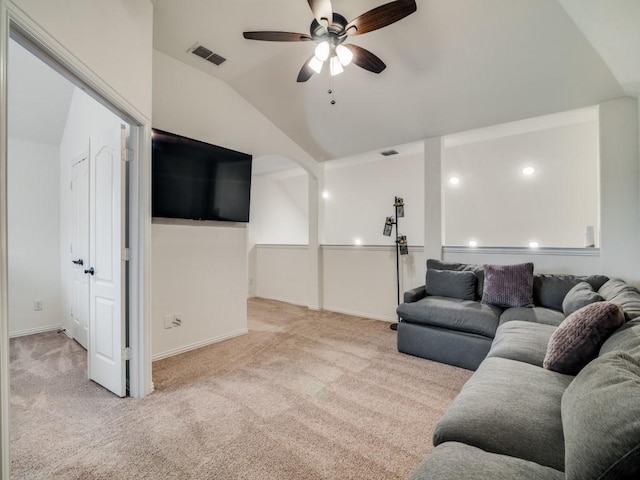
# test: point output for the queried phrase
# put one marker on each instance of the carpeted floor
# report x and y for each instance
(305, 395)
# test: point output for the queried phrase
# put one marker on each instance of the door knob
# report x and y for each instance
(91, 271)
(77, 262)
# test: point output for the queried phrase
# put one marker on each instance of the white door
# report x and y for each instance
(80, 249)
(106, 270)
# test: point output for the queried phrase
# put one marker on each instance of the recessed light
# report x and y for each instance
(534, 244)
(325, 195)
(473, 243)
(454, 180)
(357, 241)
(528, 171)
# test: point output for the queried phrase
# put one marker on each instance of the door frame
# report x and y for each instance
(15, 23)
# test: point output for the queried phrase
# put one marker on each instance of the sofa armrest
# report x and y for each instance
(415, 294)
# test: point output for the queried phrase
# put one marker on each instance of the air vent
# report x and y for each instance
(388, 153)
(207, 54)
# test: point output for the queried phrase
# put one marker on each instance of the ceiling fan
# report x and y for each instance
(330, 30)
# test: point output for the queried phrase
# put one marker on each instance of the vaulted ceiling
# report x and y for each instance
(451, 66)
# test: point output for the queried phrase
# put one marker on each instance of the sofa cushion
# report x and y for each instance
(508, 285)
(522, 341)
(452, 314)
(549, 289)
(578, 339)
(511, 408)
(535, 314)
(581, 295)
(457, 461)
(626, 339)
(626, 295)
(601, 419)
(460, 267)
(450, 283)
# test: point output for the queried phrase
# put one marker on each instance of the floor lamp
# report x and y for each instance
(401, 243)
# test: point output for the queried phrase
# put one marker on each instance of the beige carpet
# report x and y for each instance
(305, 395)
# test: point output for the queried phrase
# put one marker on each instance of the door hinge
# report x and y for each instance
(127, 154)
(126, 353)
(126, 254)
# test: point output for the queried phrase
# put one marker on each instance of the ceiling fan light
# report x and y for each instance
(322, 51)
(335, 66)
(344, 55)
(316, 65)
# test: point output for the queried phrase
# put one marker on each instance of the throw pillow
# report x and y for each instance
(580, 296)
(449, 283)
(625, 295)
(601, 420)
(508, 285)
(579, 337)
(460, 267)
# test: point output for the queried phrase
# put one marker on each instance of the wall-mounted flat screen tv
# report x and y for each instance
(198, 181)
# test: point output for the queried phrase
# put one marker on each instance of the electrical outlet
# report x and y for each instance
(38, 305)
(177, 320)
(168, 321)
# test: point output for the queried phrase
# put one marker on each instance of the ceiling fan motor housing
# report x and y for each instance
(334, 33)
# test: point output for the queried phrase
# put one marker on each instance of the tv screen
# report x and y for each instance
(198, 181)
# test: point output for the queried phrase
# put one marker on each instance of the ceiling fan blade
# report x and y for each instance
(277, 36)
(381, 17)
(306, 71)
(365, 59)
(322, 10)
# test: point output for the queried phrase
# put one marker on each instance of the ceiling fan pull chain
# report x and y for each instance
(330, 92)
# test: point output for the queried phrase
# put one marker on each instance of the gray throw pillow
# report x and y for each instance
(449, 283)
(601, 420)
(580, 296)
(579, 337)
(434, 264)
(627, 296)
(508, 285)
(549, 289)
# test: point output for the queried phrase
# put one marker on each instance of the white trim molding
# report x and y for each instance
(35, 331)
(565, 252)
(203, 343)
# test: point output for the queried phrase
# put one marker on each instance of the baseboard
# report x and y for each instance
(194, 346)
(285, 300)
(33, 331)
(373, 316)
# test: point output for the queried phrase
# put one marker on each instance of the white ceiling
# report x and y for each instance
(452, 66)
(613, 28)
(38, 98)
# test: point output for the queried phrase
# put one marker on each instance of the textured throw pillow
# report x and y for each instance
(579, 337)
(508, 285)
(448, 283)
(580, 296)
(601, 420)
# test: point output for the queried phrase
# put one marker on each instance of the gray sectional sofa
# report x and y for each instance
(515, 419)
(457, 328)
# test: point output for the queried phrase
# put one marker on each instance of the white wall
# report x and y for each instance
(620, 188)
(361, 195)
(279, 273)
(199, 274)
(619, 205)
(86, 117)
(34, 237)
(359, 280)
(496, 205)
(280, 209)
(212, 291)
(113, 39)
